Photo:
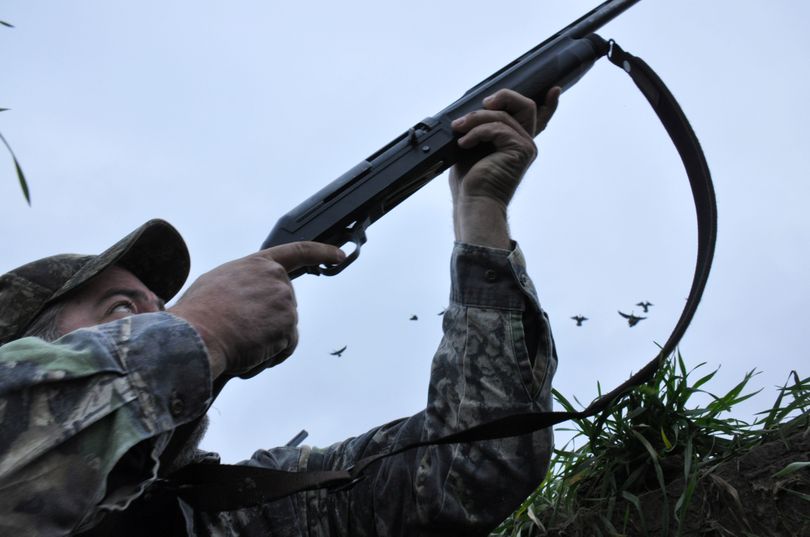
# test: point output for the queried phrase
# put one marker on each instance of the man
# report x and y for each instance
(86, 418)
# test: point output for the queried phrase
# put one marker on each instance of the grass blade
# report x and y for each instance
(667, 443)
(704, 380)
(791, 468)
(633, 499)
(20, 175)
(801, 495)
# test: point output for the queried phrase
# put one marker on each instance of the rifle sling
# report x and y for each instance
(213, 487)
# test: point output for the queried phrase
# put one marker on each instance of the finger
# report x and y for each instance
(501, 136)
(296, 255)
(476, 118)
(521, 107)
(548, 108)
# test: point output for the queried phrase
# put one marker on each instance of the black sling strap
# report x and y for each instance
(211, 487)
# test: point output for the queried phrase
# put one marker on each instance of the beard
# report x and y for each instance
(190, 451)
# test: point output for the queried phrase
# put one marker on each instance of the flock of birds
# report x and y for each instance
(413, 317)
(632, 319)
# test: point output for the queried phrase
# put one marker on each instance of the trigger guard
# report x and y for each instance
(356, 235)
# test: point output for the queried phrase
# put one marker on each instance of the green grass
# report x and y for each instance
(651, 436)
(17, 167)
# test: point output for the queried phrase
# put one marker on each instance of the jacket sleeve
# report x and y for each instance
(496, 358)
(84, 419)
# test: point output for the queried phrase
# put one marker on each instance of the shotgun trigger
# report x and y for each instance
(354, 233)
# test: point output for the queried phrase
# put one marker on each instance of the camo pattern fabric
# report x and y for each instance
(84, 419)
(94, 408)
(481, 371)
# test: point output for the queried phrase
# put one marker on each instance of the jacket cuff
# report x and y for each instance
(490, 278)
(167, 365)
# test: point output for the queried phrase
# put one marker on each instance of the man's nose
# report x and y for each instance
(153, 303)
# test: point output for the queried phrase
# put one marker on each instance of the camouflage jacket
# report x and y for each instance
(84, 420)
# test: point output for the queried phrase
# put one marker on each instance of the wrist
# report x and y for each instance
(217, 358)
(481, 221)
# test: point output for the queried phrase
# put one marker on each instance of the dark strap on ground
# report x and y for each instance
(212, 487)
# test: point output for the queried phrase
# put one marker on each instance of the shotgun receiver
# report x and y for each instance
(339, 213)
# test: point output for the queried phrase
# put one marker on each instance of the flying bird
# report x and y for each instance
(338, 352)
(632, 320)
(414, 318)
(579, 319)
(646, 305)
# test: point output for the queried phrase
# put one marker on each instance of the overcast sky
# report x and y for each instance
(221, 117)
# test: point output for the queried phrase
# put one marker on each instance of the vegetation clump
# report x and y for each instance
(651, 465)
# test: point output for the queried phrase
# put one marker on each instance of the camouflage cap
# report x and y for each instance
(155, 253)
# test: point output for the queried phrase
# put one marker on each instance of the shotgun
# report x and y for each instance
(341, 212)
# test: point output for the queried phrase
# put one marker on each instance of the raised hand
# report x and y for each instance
(245, 310)
(482, 187)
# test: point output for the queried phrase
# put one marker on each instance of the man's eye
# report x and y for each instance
(123, 307)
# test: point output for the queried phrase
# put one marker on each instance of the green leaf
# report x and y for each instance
(653, 456)
(632, 498)
(648, 390)
(667, 443)
(704, 380)
(533, 517)
(23, 183)
(691, 477)
(791, 468)
(731, 491)
(801, 495)
(722, 404)
(20, 175)
(682, 366)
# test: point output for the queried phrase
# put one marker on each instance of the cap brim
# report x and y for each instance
(155, 253)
